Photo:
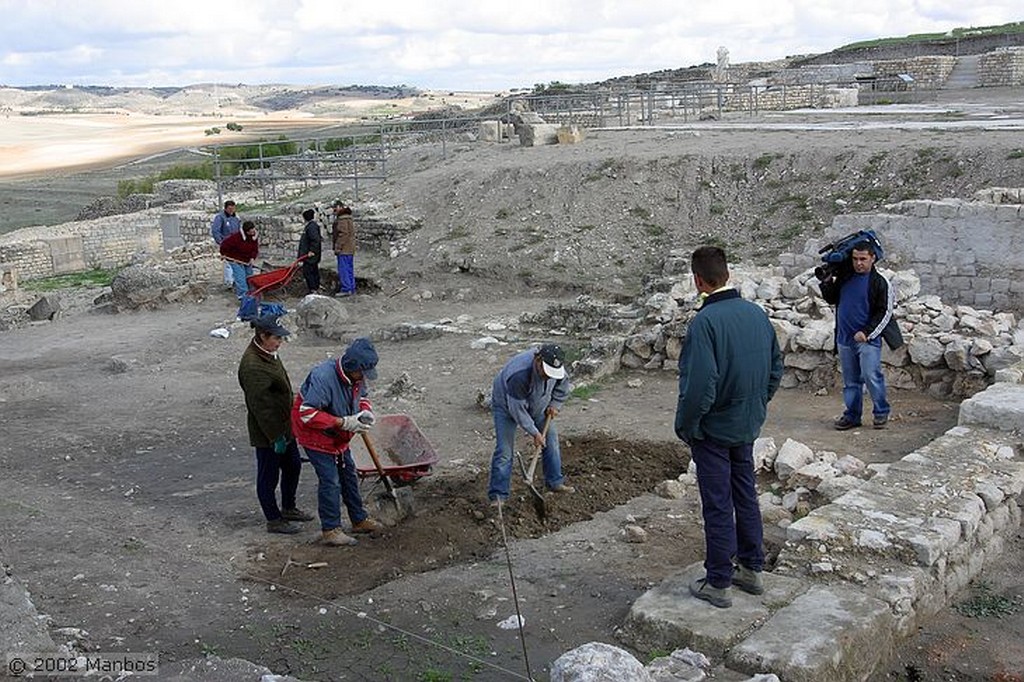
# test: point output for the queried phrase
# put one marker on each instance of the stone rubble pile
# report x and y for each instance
(151, 282)
(949, 351)
(600, 662)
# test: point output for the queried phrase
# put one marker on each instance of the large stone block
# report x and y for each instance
(668, 617)
(571, 134)
(489, 131)
(1000, 406)
(828, 633)
(536, 134)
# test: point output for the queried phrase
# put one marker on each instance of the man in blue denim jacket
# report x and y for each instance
(530, 388)
(225, 224)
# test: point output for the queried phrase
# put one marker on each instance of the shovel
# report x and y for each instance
(380, 470)
(535, 496)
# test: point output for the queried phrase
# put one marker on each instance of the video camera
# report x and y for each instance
(836, 256)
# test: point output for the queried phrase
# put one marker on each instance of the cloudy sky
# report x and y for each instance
(448, 44)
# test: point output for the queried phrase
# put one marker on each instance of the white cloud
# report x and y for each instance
(444, 43)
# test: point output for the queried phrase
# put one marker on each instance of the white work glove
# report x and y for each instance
(367, 417)
(352, 423)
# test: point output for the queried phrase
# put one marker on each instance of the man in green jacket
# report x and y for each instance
(729, 368)
(268, 402)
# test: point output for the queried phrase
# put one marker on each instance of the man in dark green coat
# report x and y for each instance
(268, 402)
(729, 368)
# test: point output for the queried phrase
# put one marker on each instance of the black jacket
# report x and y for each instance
(311, 241)
(881, 301)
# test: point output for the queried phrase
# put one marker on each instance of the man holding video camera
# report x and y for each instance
(864, 301)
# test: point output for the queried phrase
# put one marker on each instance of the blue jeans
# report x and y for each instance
(346, 274)
(862, 366)
(732, 517)
(271, 467)
(239, 273)
(501, 461)
(337, 482)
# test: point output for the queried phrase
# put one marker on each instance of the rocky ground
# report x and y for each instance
(130, 514)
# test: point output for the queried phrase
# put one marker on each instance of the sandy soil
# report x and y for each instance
(31, 145)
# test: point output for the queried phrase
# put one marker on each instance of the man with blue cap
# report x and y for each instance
(330, 409)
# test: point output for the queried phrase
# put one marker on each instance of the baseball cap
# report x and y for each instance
(361, 356)
(553, 359)
(271, 324)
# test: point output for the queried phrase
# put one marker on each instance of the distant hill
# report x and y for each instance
(199, 100)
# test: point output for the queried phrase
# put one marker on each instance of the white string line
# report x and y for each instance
(332, 602)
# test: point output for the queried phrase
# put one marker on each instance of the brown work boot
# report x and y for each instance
(368, 525)
(563, 488)
(335, 537)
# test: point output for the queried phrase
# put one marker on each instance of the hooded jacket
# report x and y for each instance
(240, 248)
(326, 394)
(343, 235)
(311, 242)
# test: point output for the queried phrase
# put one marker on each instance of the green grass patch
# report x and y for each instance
(585, 392)
(872, 195)
(180, 171)
(762, 162)
(502, 214)
(790, 233)
(652, 230)
(434, 675)
(1002, 29)
(717, 209)
(656, 653)
(984, 604)
(90, 279)
(640, 212)
(1015, 154)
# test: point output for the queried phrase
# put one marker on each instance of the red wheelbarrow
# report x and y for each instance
(272, 279)
(405, 453)
(251, 307)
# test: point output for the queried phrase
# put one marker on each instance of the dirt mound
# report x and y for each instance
(454, 523)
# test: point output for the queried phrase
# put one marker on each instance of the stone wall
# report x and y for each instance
(968, 253)
(37, 252)
(922, 528)
(823, 74)
(1002, 67)
(949, 351)
(927, 72)
(279, 237)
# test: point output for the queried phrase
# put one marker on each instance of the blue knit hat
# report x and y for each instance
(361, 356)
